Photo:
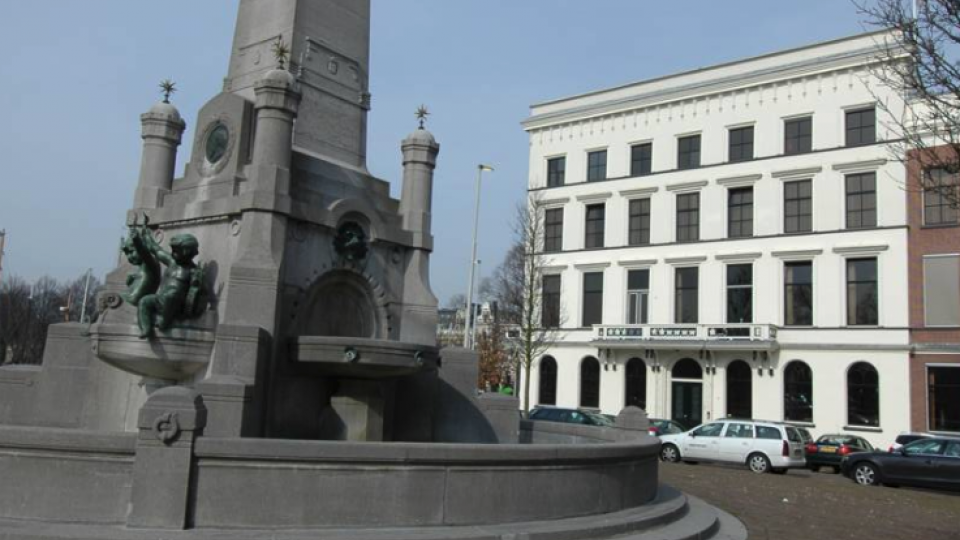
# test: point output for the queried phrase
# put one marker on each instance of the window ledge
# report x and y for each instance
(941, 226)
(800, 424)
(866, 429)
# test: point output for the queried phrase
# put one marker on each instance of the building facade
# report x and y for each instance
(730, 241)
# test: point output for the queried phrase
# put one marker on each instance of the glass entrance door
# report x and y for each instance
(688, 403)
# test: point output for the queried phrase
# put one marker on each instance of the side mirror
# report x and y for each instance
(693, 434)
(903, 451)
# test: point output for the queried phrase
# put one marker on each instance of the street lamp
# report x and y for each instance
(467, 331)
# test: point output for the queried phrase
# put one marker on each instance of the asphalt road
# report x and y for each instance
(803, 505)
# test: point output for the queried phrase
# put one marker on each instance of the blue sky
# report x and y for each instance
(77, 74)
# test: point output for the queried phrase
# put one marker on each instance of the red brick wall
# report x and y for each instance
(924, 241)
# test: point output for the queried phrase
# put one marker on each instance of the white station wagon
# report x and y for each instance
(761, 445)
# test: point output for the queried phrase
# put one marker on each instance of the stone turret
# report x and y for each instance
(420, 150)
(162, 133)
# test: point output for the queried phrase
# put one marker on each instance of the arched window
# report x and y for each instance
(687, 369)
(863, 395)
(636, 384)
(590, 383)
(548, 381)
(798, 392)
(739, 390)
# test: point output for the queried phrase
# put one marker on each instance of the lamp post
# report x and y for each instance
(467, 331)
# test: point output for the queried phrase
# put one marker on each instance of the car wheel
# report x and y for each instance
(758, 463)
(865, 474)
(669, 453)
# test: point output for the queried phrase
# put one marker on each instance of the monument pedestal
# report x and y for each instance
(359, 411)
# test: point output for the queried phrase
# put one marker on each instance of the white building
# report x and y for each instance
(730, 241)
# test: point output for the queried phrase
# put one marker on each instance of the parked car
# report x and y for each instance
(761, 445)
(660, 426)
(906, 438)
(805, 435)
(829, 450)
(929, 462)
(569, 416)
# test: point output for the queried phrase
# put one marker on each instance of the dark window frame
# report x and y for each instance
(596, 165)
(740, 144)
(590, 383)
(798, 392)
(860, 196)
(860, 126)
(863, 395)
(857, 314)
(794, 289)
(635, 383)
(795, 193)
(641, 159)
(551, 288)
(688, 152)
(591, 312)
(595, 225)
(686, 293)
(740, 212)
(553, 230)
(943, 385)
(935, 203)
(798, 136)
(547, 383)
(688, 217)
(638, 222)
(556, 171)
(636, 314)
(735, 285)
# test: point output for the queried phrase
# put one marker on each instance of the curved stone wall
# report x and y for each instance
(271, 484)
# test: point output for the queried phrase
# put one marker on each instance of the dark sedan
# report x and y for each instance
(829, 450)
(659, 426)
(932, 463)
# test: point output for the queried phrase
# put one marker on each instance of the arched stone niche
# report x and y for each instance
(342, 304)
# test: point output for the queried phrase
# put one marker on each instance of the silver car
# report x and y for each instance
(761, 445)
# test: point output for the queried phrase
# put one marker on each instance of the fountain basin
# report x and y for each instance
(362, 358)
(175, 355)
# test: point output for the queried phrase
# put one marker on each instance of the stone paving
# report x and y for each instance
(803, 505)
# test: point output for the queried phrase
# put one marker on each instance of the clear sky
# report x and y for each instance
(76, 75)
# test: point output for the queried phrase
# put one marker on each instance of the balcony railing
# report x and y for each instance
(685, 332)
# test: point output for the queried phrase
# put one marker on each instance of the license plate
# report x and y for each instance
(828, 449)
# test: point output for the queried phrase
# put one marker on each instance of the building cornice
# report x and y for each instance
(637, 263)
(702, 89)
(738, 256)
(868, 165)
(591, 197)
(741, 180)
(797, 254)
(696, 259)
(687, 186)
(790, 174)
(635, 193)
(858, 249)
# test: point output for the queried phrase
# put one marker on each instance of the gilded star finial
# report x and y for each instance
(281, 51)
(422, 114)
(168, 88)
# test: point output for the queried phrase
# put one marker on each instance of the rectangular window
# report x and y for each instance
(798, 136)
(597, 166)
(941, 290)
(798, 293)
(940, 197)
(641, 159)
(862, 302)
(739, 293)
(639, 222)
(550, 310)
(861, 127)
(688, 217)
(687, 299)
(596, 217)
(553, 229)
(688, 152)
(592, 298)
(740, 212)
(943, 397)
(741, 144)
(861, 200)
(556, 171)
(798, 206)
(638, 296)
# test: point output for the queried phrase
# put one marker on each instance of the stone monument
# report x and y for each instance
(264, 363)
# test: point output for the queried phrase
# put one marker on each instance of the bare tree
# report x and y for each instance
(494, 359)
(919, 62)
(519, 285)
